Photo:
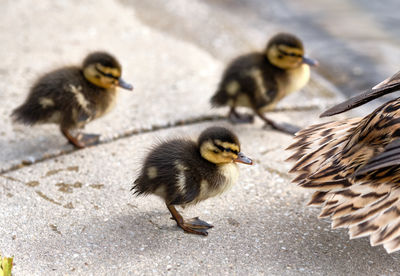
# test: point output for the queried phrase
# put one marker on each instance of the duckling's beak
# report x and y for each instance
(123, 84)
(243, 159)
(310, 61)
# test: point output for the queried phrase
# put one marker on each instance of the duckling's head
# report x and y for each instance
(220, 146)
(104, 70)
(286, 51)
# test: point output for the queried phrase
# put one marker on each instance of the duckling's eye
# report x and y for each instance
(228, 150)
(295, 55)
(215, 151)
(280, 56)
(110, 75)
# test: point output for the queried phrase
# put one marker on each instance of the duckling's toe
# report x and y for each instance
(237, 118)
(284, 127)
(88, 139)
(197, 223)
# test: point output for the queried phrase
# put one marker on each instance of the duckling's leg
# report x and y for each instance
(193, 226)
(284, 127)
(81, 140)
(237, 118)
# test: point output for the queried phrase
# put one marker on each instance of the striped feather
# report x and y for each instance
(354, 169)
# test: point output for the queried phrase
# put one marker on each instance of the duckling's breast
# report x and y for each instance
(223, 180)
(295, 80)
(106, 101)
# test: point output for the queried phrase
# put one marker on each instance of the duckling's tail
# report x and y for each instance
(219, 99)
(367, 205)
(30, 114)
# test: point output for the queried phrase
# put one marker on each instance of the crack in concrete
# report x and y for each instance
(128, 134)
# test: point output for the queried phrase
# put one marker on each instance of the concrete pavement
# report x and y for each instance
(72, 213)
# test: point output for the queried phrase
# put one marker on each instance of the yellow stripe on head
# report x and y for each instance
(115, 72)
(227, 145)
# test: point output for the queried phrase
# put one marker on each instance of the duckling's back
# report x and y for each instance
(63, 96)
(175, 171)
(250, 80)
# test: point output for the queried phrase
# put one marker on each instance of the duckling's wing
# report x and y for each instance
(85, 115)
(387, 86)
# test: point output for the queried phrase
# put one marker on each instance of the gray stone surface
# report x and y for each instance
(73, 213)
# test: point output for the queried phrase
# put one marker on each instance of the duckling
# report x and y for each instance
(260, 80)
(183, 172)
(353, 165)
(73, 96)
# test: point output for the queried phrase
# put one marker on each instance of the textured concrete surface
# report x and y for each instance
(67, 215)
(69, 212)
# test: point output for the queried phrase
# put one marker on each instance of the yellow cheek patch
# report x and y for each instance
(229, 155)
(207, 151)
(107, 70)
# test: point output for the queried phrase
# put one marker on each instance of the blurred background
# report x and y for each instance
(357, 42)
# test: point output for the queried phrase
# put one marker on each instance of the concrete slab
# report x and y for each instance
(75, 215)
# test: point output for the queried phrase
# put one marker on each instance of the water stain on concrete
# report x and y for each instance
(45, 197)
(54, 228)
(11, 178)
(70, 168)
(52, 172)
(32, 183)
(233, 222)
(77, 184)
(97, 186)
(69, 205)
(65, 188)
(73, 168)
(68, 188)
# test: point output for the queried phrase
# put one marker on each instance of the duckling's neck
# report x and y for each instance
(230, 171)
(295, 80)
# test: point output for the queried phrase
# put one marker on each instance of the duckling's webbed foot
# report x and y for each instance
(89, 139)
(198, 223)
(193, 226)
(283, 127)
(237, 118)
(81, 140)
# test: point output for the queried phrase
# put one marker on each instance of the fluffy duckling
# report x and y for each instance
(353, 166)
(73, 96)
(260, 80)
(183, 172)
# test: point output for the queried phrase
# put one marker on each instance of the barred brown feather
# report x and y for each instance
(354, 167)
